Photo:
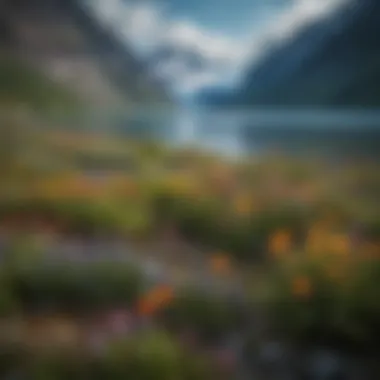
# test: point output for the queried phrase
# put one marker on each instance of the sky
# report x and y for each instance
(226, 36)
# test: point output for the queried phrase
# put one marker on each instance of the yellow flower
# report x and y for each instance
(316, 239)
(280, 243)
(339, 244)
(243, 204)
(301, 287)
(371, 250)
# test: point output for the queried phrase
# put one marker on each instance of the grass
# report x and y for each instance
(22, 84)
(258, 214)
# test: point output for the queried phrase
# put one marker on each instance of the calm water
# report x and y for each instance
(239, 131)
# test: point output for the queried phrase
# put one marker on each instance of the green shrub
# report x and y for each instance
(74, 287)
(8, 300)
(322, 309)
(207, 221)
(151, 355)
(208, 315)
(82, 216)
(11, 358)
(57, 366)
(360, 310)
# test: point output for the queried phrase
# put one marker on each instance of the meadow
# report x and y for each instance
(303, 236)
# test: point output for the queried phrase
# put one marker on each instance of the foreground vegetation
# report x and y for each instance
(305, 234)
(311, 228)
(152, 355)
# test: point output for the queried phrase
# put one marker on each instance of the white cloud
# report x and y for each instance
(219, 54)
(145, 26)
(142, 26)
(210, 45)
(177, 73)
(194, 82)
(108, 11)
(288, 23)
(300, 14)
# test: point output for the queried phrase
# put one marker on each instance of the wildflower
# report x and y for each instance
(336, 272)
(280, 243)
(371, 250)
(340, 244)
(301, 287)
(220, 264)
(316, 239)
(243, 205)
(155, 299)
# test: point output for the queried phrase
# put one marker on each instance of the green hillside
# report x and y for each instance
(22, 84)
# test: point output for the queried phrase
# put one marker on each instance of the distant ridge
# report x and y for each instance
(63, 41)
(334, 62)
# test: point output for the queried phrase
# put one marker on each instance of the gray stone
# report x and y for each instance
(327, 365)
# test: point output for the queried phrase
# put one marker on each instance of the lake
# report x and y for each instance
(235, 132)
(249, 131)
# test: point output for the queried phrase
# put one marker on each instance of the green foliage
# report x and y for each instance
(11, 357)
(195, 218)
(343, 312)
(21, 84)
(8, 301)
(360, 314)
(84, 216)
(71, 287)
(207, 221)
(57, 366)
(150, 355)
(208, 315)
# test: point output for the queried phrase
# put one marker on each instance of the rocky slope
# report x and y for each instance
(61, 40)
(333, 62)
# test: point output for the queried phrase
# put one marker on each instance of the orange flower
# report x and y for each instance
(162, 294)
(155, 299)
(339, 244)
(220, 264)
(316, 239)
(301, 287)
(280, 243)
(371, 250)
(145, 308)
(336, 272)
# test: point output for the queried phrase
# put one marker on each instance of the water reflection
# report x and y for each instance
(235, 132)
(209, 131)
(242, 131)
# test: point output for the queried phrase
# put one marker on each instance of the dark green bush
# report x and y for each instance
(208, 315)
(209, 222)
(57, 366)
(150, 355)
(74, 287)
(343, 312)
(11, 358)
(85, 217)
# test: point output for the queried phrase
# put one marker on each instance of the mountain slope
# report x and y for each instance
(63, 42)
(333, 62)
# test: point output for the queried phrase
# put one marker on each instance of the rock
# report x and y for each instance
(272, 353)
(327, 365)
